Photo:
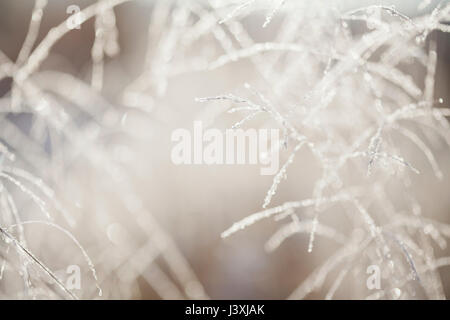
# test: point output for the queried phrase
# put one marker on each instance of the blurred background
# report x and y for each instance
(151, 228)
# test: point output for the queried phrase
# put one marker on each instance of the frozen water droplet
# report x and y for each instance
(37, 15)
(116, 233)
(396, 293)
(420, 39)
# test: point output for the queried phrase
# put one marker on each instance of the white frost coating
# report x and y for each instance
(356, 87)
